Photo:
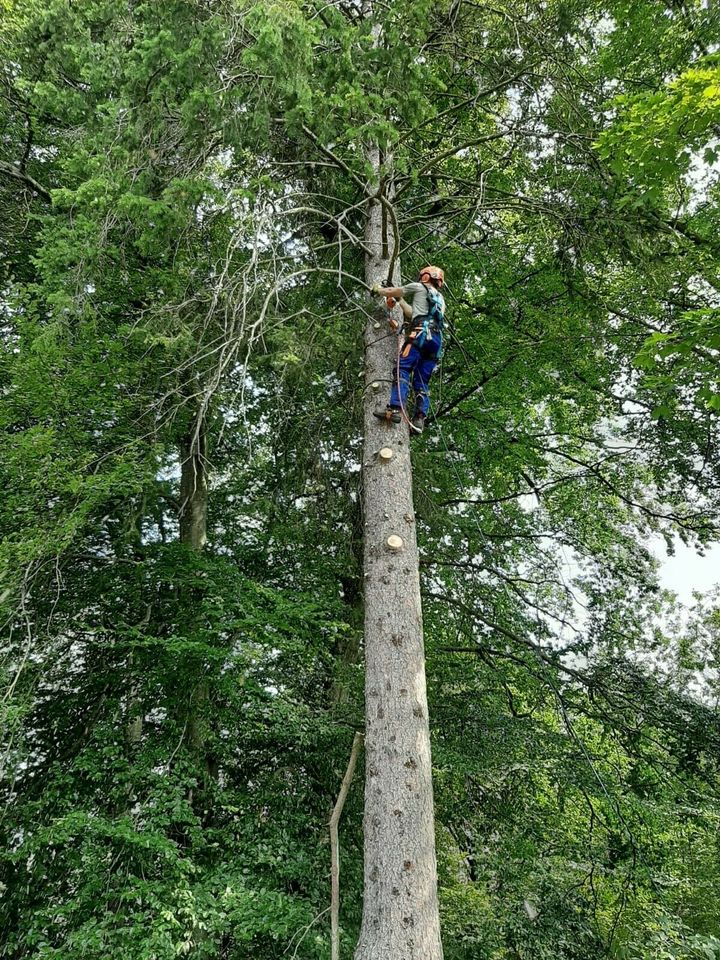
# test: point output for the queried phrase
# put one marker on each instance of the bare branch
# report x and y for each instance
(335, 845)
(17, 174)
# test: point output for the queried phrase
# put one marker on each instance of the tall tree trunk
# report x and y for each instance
(400, 909)
(193, 488)
(193, 533)
(134, 718)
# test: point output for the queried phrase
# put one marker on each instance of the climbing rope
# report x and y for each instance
(397, 375)
(397, 328)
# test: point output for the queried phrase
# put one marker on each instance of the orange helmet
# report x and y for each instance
(432, 273)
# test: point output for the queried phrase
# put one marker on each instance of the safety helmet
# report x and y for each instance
(432, 273)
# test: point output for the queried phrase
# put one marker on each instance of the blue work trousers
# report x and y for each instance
(416, 363)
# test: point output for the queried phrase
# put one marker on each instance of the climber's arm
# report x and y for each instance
(379, 291)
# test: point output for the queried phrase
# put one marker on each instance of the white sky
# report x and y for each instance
(687, 571)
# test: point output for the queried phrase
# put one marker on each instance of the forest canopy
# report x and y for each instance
(185, 192)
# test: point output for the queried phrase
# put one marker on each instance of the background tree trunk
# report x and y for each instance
(193, 488)
(193, 533)
(400, 909)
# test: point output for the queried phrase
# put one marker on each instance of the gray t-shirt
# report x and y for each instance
(420, 305)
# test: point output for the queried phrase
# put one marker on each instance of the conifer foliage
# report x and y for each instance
(195, 198)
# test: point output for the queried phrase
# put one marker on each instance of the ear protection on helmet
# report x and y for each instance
(432, 273)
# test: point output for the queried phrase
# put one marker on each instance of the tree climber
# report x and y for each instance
(422, 348)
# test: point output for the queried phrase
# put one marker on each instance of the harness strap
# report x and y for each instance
(424, 331)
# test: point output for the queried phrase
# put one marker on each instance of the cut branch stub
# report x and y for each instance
(386, 454)
(395, 543)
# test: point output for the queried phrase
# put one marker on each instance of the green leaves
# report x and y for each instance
(687, 355)
(179, 719)
(655, 135)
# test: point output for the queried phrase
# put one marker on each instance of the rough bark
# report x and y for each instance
(134, 719)
(400, 909)
(193, 533)
(193, 489)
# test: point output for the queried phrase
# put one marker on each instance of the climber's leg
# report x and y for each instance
(410, 358)
(422, 373)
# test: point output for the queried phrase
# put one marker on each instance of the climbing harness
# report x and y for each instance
(432, 323)
(390, 414)
(397, 380)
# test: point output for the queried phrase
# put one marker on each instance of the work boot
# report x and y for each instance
(391, 414)
(418, 422)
